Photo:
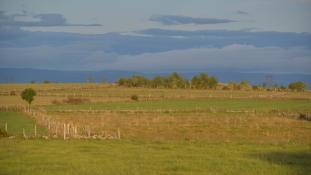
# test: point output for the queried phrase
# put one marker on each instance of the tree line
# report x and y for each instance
(201, 81)
(173, 81)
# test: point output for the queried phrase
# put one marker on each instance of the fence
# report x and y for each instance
(57, 129)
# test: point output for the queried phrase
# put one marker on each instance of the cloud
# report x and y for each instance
(221, 38)
(240, 12)
(178, 20)
(47, 20)
(232, 57)
(152, 40)
(157, 49)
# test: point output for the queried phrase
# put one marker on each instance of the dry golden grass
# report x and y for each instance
(214, 127)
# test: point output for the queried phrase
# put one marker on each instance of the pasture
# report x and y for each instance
(167, 131)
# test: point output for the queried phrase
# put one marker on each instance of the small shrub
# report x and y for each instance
(46, 82)
(12, 93)
(297, 86)
(56, 102)
(134, 97)
(306, 117)
(225, 88)
(75, 100)
(3, 133)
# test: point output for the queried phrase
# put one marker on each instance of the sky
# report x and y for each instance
(162, 35)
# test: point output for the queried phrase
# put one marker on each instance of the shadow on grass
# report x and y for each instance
(298, 161)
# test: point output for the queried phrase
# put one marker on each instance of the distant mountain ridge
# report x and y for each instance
(25, 75)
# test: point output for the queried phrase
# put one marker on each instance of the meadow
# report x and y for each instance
(167, 131)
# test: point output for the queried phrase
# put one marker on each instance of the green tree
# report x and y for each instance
(28, 95)
(123, 82)
(244, 85)
(203, 81)
(212, 82)
(158, 82)
(139, 81)
(200, 81)
(297, 86)
(232, 85)
(176, 81)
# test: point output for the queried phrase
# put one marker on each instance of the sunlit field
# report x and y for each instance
(166, 131)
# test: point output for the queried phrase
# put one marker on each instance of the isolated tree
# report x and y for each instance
(28, 95)
(297, 86)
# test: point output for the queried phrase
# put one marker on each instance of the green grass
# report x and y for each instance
(179, 142)
(32, 157)
(17, 121)
(228, 104)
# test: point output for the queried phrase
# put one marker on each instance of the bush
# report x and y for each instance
(3, 133)
(12, 93)
(297, 86)
(134, 97)
(225, 88)
(56, 102)
(306, 117)
(75, 100)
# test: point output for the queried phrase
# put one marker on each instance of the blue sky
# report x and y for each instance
(162, 35)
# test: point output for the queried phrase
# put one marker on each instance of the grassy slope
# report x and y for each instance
(137, 157)
(17, 121)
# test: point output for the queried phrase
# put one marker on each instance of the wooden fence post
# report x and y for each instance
(56, 129)
(24, 134)
(68, 130)
(88, 132)
(64, 131)
(6, 127)
(49, 126)
(119, 134)
(75, 131)
(35, 130)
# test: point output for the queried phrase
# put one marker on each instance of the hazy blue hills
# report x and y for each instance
(24, 75)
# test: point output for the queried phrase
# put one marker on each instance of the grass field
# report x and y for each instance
(16, 122)
(31, 157)
(166, 131)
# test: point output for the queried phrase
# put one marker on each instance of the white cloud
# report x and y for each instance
(233, 57)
